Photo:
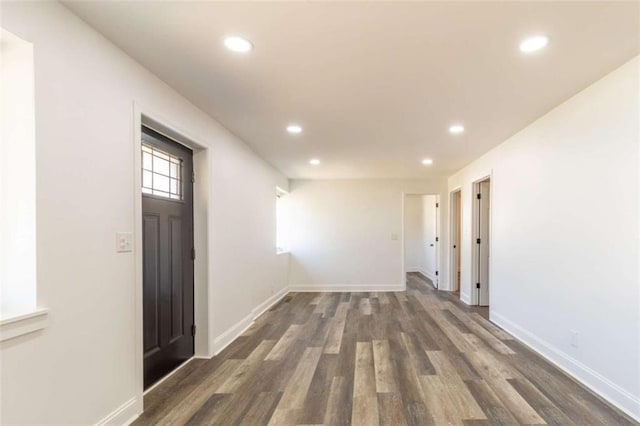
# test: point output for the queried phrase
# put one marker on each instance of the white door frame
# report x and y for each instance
(474, 296)
(143, 115)
(438, 234)
(452, 231)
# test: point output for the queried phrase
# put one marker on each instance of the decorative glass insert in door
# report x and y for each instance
(161, 173)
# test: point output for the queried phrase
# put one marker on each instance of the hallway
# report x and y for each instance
(414, 357)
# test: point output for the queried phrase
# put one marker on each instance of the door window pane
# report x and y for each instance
(161, 173)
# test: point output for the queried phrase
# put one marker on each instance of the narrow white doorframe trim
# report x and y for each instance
(143, 115)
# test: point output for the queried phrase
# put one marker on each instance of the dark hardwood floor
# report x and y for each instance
(418, 357)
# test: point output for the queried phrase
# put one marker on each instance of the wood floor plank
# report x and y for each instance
(456, 337)
(197, 398)
(165, 396)
(417, 357)
(365, 401)
(338, 413)
(315, 403)
(494, 329)
(385, 381)
(285, 342)
(365, 306)
(548, 411)
(438, 401)
(495, 375)
(209, 410)
(323, 305)
(478, 330)
(390, 409)
(416, 411)
(261, 409)
(334, 339)
(491, 405)
(244, 370)
(465, 404)
(295, 393)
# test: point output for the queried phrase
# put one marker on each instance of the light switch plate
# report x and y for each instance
(124, 242)
(394, 237)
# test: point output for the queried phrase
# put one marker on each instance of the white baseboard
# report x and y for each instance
(346, 288)
(465, 298)
(123, 415)
(599, 384)
(267, 304)
(429, 274)
(224, 339)
(232, 333)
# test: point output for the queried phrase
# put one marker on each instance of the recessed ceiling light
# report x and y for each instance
(534, 43)
(238, 44)
(427, 161)
(294, 128)
(314, 161)
(456, 128)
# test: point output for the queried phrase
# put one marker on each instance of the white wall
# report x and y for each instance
(564, 244)
(17, 178)
(81, 368)
(341, 232)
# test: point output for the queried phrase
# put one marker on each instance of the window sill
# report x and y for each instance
(19, 325)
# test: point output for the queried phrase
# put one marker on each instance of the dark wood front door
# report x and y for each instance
(167, 230)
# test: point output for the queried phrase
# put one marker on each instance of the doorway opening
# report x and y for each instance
(421, 238)
(481, 240)
(168, 255)
(456, 239)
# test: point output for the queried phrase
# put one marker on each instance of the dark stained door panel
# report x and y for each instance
(167, 226)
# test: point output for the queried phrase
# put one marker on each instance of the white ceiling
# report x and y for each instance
(375, 85)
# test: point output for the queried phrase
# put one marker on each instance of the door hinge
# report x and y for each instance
(478, 196)
(477, 285)
(193, 254)
(193, 330)
(436, 273)
(437, 205)
(478, 241)
(193, 177)
(437, 239)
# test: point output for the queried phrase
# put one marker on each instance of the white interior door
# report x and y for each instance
(430, 228)
(484, 235)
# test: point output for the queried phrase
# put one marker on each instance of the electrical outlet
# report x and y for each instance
(124, 242)
(573, 338)
(394, 237)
